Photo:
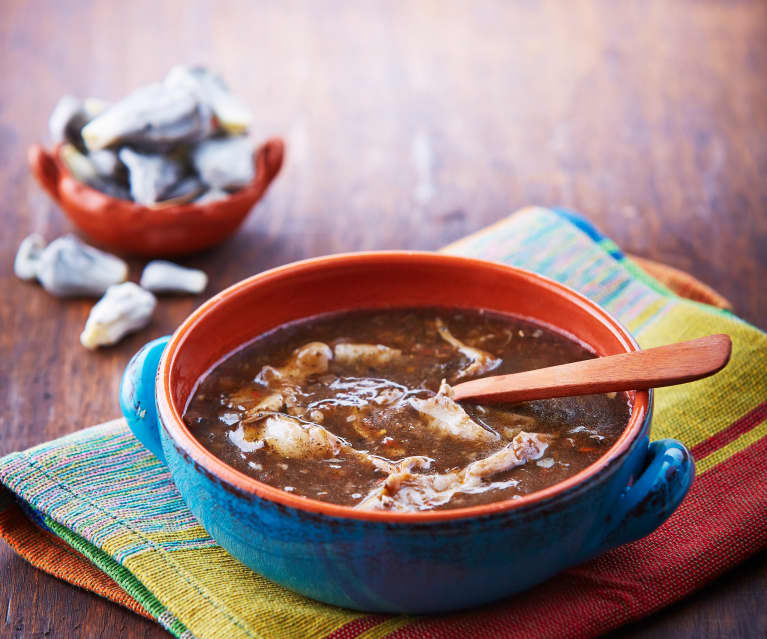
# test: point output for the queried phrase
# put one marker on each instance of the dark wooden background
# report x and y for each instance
(408, 124)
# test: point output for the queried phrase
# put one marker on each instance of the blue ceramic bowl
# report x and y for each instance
(400, 562)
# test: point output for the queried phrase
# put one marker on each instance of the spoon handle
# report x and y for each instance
(662, 366)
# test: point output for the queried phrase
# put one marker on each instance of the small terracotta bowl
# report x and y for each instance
(412, 562)
(127, 227)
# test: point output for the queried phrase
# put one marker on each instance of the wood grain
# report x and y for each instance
(408, 124)
(652, 368)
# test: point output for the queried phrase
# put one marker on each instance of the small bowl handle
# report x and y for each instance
(44, 167)
(137, 400)
(667, 476)
(269, 157)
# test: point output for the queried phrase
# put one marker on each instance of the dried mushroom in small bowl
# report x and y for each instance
(167, 170)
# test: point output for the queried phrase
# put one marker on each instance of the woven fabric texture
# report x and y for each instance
(95, 508)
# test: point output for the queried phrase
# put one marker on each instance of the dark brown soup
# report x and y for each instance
(352, 409)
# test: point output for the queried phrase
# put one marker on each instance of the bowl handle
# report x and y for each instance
(137, 400)
(44, 167)
(667, 476)
(269, 158)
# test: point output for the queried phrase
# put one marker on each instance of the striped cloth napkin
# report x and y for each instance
(98, 510)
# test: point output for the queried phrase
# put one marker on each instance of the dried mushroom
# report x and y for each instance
(125, 308)
(226, 163)
(210, 88)
(105, 162)
(68, 267)
(155, 117)
(78, 163)
(151, 177)
(28, 257)
(64, 118)
(86, 170)
(160, 276)
(70, 115)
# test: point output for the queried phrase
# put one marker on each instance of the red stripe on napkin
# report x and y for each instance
(750, 420)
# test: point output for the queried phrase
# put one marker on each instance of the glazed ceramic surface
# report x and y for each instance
(127, 227)
(400, 562)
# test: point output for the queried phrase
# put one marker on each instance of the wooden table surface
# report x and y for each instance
(408, 124)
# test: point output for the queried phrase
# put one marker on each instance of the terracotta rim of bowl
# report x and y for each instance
(171, 418)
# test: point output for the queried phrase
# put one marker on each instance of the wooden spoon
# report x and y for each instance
(662, 366)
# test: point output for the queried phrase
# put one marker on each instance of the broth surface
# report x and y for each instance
(329, 407)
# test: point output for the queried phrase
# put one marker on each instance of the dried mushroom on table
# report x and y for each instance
(70, 268)
(125, 308)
